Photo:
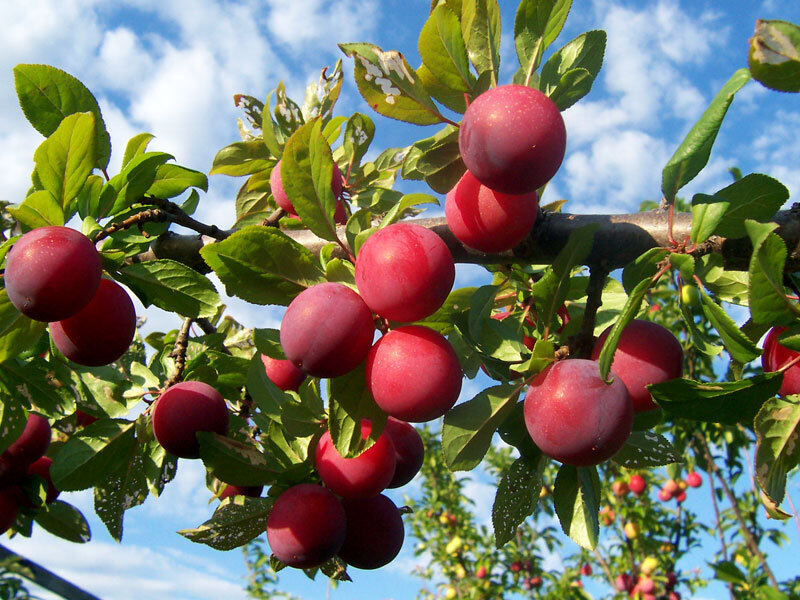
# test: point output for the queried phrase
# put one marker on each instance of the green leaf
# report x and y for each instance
(468, 427)
(724, 402)
(441, 47)
(699, 338)
(457, 302)
(568, 75)
(236, 522)
(756, 197)
(768, 301)
(707, 212)
(537, 25)
(551, 290)
(728, 571)
(644, 267)
(349, 403)
(125, 488)
(576, 496)
(627, 315)
(692, 155)
(268, 342)
(172, 286)
(406, 202)
(65, 521)
(645, 449)
(267, 396)
(480, 26)
(390, 86)
(17, 332)
(136, 146)
(127, 188)
(263, 265)
(436, 159)
(358, 134)
(287, 113)
(777, 427)
(173, 180)
(40, 209)
(235, 462)
(322, 95)
(47, 95)
(774, 56)
(306, 173)
(739, 346)
(90, 455)
(241, 158)
(517, 496)
(32, 382)
(13, 419)
(65, 159)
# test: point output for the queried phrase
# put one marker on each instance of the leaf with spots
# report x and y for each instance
(65, 521)
(517, 496)
(646, 449)
(235, 462)
(237, 521)
(125, 488)
(778, 451)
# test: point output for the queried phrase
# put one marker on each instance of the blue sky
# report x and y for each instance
(171, 68)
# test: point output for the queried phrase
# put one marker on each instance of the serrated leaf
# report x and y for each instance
(40, 209)
(173, 180)
(236, 522)
(349, 403)
(536, 26)
(723, 402)
(263, 265)
(480, 27)
(693, 152)
(125, 488)
(441, 47)
(774, 56)
(707, 212)
(469, 427)
(517, 496)
(91, 454)
(65, 521)
(13, 419)
(358, 134)
(390, 86)
(47, 95)
(768, 301)
(235, 462)
(568, 75)
(17, 332)
(576, 496)
(136, 145)
(757, 197)
(128, 187)
(457, 302)
(172, 286)
(241, 158)
(629, 312)
(777, 427)
(645, 449)
(739, 346)
(407, 201)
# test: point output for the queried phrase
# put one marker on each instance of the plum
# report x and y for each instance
(41, 468)
(776, 356)
(253, 491)
(574, 416)
(51, 273)
(306, 526)
(512, 139)
(282, 199)
(327, 330)
(374, 532)
(8, 509)
(183, 410)
(101, 331)
(283, 373)
(404, 272)
(409, 451)
(413, 374)
(33, 442)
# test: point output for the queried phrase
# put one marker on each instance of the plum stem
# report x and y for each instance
(179, 352)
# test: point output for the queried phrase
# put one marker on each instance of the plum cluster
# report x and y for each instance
(512, 140)
(575, 417)
(403, 273)
(53, 274)
(19, 463)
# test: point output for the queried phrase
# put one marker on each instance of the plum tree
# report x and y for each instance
(51, 273)
(777, 356)
(647, 353)
(574, 416)
(487, 220)
(306, 526)
(327, 330)
(409, 452)
(436, 380)
(404, 272)
(100, 332)
(283, 373)
(374, 532)
(184, 409)
(512, 139)
(364, 476)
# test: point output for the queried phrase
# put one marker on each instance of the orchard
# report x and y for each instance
(629, 376)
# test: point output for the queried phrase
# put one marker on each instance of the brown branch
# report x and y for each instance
(585, 339)
(179, 353)
(272, 220)
(151, 214)
(176, 214)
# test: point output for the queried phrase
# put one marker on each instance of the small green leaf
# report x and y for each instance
(235, 462)
(777, 427)
(774, 57)
(349, 403)
(468, 427)
(517, 496)
(65, 521)
(645, 449)
(643, 267)
(322, 95)
(441, 47)
(692, 155)
(236, 522)
(136, 146)
(40, 209)
(172, 286)
(480, 26)
(127, 188)
(768, 301)
(627, 315)
(17, 332)
(13, 419)
(263, 265)
(726, 402)
(568, 75)
(436, 159)
(757, 197)
(390, 86)
(457, 302)
(173, 180)
(241, 158)
(358, 134)
(536, 26)
(576, 496)
(728, 571)
(739, 346)
(406, 202)
(47, 95)
(707, 212)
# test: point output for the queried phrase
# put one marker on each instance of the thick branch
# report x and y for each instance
(47, 579)
(618, 240)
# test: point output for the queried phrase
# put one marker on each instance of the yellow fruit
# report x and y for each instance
(631, 530)
(444, 519)
(543, 492)
(450, 593)
(453, 545)
(461, 572)
(690, 295)
(649, 565)
(682, 484)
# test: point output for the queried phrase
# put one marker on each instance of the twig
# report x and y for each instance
(594, 300)
(176, 214)
(151, 214)
(179, 353)
(604, 566)
(272, 220)
(794, 512)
